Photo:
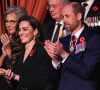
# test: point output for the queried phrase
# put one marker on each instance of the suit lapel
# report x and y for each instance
(51, 29)
(81, 42)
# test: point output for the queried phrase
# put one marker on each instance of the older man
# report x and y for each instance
(50, 28)
(53, 29)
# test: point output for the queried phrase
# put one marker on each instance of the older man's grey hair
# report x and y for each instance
(64, 2)
(18, 10)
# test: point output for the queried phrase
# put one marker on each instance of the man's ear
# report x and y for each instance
(79, 16)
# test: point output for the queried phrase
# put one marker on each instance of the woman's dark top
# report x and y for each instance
(34, 72)
(15, 41)
(3, 82)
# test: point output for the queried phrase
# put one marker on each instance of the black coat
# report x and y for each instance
(34, 72)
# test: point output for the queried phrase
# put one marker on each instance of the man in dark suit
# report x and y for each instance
(49, 28)
(92, 14)
(79, 64)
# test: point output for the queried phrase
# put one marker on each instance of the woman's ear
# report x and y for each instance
(35, 32)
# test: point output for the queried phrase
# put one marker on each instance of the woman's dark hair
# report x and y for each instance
(35, 24)
(16, 44)
(16, 49)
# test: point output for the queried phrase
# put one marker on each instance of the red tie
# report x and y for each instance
(72, 43)
(56, 33)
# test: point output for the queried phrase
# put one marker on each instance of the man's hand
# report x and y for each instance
(50, 48)
(54, 49)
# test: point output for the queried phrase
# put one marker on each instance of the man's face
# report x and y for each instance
(70, 20)
(55, 8)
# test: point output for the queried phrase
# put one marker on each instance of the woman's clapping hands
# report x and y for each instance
(8, 74)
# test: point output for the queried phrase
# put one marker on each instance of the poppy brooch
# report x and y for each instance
(82, 39)
(95, 8)
(32, 52)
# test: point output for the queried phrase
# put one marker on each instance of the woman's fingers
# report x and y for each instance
(8, 74)
(2, 71)
(5, 39)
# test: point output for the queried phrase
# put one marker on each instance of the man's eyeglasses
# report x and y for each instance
(52, 6)
(12, 22)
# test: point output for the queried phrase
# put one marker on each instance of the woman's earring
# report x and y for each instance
(34, 37)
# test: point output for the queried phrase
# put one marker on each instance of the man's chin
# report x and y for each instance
(54, 17)
(67, 28)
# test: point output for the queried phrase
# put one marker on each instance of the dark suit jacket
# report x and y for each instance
(94, 12)
(48, 29)
(79, 69)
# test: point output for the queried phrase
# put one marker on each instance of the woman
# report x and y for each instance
(9, 39)
(32, 69)
(11, 45)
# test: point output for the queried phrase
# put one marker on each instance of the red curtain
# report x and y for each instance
(35, 8)
(2, 30)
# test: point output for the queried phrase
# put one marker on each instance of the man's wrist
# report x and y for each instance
(63, 55)
(56, 61)
(56, 65)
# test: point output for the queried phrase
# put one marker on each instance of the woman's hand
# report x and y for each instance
(2, 71)
(10, 75)
(5, 39)
(6, 48)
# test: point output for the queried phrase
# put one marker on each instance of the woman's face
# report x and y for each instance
(10, 22)
(26, 32)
